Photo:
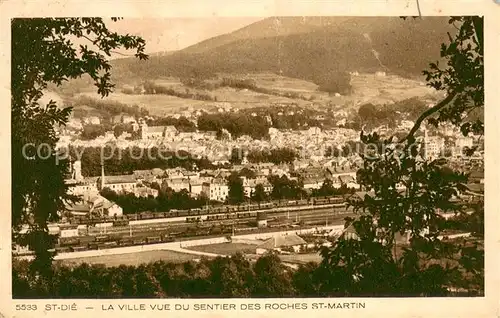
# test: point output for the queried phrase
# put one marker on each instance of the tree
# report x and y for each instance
(376, 261)
(236, 192)
(236, 156)
(367, 112)
(272, 278)
(259, 194)
(326, 189)
(43, 51)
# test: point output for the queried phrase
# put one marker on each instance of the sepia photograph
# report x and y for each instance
(247, 157)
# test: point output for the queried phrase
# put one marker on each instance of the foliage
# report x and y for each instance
(236, 192)
(43, 52)
(284, 188)
(119, 129)
(259, 194)
(276, 156)
(327, 189)
(375, 260)
(167, 199)
(152, 88)
(237, 124)
(109, 107)
(407, 109)
(463, 77)
(217, 278)
(93, 131)
(126, 161)
(182, 124)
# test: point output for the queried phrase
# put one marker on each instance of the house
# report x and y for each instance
(195, 187)
(313, 183)
(216, 190)
(156, 132)
(250, 184)
(119, 184)
(126, 119)
(92, 120)
(280, 243)
(96, 205)
(178, 184)
(144, 192)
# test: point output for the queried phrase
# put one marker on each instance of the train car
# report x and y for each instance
(168, 238)
(92, 246)
(146, 216)
(266, 205)
(102, 238)
(193, 219)
(159, 215)
(63, 249)
(121, 223)
(196, 211)
(70, 241)
(139, 241)
(79, 248)
(153, 239)
(182, 213)
(106, 245)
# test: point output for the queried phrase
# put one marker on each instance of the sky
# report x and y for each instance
(168, 34)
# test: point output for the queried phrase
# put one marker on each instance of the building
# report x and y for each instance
(462, 142)
(434, 145)
(281, 243)
(119, 184)
(313, 183)
(157, 132)
(195, 187)
(97, 205)
(145, 192)
(216, 190)
(250, 184)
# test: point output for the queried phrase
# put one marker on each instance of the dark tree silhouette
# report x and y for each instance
(374, 261)
(43, 52)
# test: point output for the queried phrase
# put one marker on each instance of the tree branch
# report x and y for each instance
(478, 28)
(429, 112)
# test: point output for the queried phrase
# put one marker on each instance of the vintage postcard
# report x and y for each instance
(263, 158)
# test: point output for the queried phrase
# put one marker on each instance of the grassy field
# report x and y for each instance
(132, 259)
(225, 248)
(367, 88)
(158, 105)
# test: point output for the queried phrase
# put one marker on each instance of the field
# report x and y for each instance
(367, 88)
(226, 248)
(132, 259)
(158, 105)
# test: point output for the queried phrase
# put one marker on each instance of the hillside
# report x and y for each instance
(310, 49)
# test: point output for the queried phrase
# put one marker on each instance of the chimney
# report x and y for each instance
(102, 175)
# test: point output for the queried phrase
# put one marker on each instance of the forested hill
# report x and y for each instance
(306, 48)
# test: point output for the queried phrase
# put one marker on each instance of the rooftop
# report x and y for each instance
(283, 241)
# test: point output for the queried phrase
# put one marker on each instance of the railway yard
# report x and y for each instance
(109, 235)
